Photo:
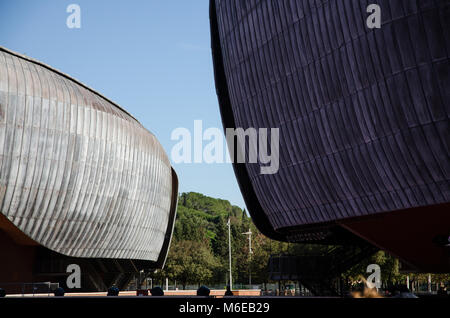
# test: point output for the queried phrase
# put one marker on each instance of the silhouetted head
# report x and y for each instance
(403, 289)
(157, 291)
(113, 291)
(203, 291)
(59, 292)
(228, 292)
(2, 292)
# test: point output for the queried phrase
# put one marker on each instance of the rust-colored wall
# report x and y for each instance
(409, 235)
(16, 260)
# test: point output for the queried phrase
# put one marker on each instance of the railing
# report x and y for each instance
(29, 289)
(196, 286)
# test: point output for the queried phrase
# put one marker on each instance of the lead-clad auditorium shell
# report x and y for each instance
(363, 117)
(78, 174)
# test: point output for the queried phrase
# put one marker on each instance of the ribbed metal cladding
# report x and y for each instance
(78, 174)
(363, 113)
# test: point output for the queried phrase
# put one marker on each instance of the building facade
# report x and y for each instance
(80, 179)
(363, 118)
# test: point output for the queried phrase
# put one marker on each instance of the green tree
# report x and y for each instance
(190, 262)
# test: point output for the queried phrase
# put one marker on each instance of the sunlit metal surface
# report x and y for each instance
(78, 174)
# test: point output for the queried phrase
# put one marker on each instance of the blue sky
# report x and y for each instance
(151, 57)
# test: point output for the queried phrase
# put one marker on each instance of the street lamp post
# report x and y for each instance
(229, 252)
(250, 252)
